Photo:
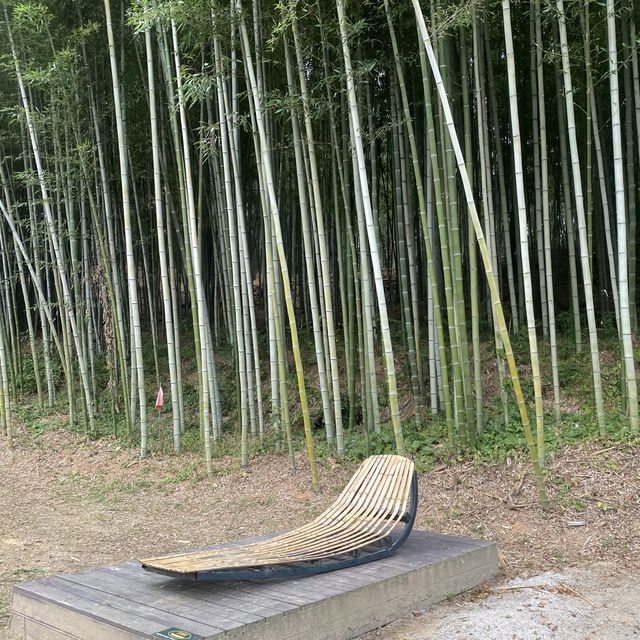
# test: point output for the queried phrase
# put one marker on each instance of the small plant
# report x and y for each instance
(579, 505)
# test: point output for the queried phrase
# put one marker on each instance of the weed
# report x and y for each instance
(27, 573)
(579, 505)
(182, 474)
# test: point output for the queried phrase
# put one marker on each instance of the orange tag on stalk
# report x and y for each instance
(160, 399)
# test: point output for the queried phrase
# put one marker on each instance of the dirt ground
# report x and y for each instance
(69, 505)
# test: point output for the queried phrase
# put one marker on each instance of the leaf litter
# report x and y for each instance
(75, 505)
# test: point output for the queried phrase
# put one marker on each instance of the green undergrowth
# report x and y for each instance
(497, 443)
(426, 443)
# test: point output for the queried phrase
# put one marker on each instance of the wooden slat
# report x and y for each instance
(235, 604)
(56, 606)
(209, 592)
(368, 509)
(179, 603)
(304, 534)
(89, 596)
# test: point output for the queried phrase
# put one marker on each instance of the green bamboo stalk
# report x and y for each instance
(53, 236)
(487, 207)
(544, 175)
(401, 206)
(196, 260)
(630, 174)
(471, 240)
(5, 413)
(136, 333)
(309, 258)
(504, 208)
(326, 295)
(495, 298)
(582, 230)
(162, 250)
(618, 167)
(568, 214)
(524, 243)
(275, 215)
(440, 352)
(537, 220)
(371, 233)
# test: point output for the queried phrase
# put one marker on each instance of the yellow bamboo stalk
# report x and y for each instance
(486, 259)
(275, 214)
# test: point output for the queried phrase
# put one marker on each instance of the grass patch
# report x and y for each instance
(427, 444)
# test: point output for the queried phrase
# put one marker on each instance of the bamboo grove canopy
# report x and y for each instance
(296, 212)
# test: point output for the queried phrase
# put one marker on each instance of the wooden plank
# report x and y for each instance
(17, 623)
(345, 582)
(35, 630)
(206, 591)
(112, 610)
(161, 617)
(354, 613)
(131, 573)
(449, 543)
(220, 594)
(369, 613)
(87, 624)
(292, 592)
(261, 606)
(179, 603)
(289, 592)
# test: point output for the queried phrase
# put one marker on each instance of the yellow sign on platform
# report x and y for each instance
(177, 634)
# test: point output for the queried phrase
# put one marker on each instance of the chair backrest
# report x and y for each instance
(380, 489)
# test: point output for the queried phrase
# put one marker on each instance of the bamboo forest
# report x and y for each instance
(312, 225)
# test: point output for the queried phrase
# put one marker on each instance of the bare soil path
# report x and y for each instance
(69, 505)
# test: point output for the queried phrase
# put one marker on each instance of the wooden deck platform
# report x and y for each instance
(123, 602)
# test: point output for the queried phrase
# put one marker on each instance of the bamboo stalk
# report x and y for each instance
(495, 299)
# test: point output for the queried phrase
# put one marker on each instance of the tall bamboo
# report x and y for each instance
(136, 334)
(371, 234)
(277, 228)
(618, 167)
(523, 228)
(495, 299)
(162, 250)
(546, 223)
(582, 227)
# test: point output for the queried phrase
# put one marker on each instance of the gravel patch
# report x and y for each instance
(596, 602)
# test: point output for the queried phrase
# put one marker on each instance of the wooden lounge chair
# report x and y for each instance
(370, 519)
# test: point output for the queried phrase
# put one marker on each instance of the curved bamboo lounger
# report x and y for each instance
(362, 525)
